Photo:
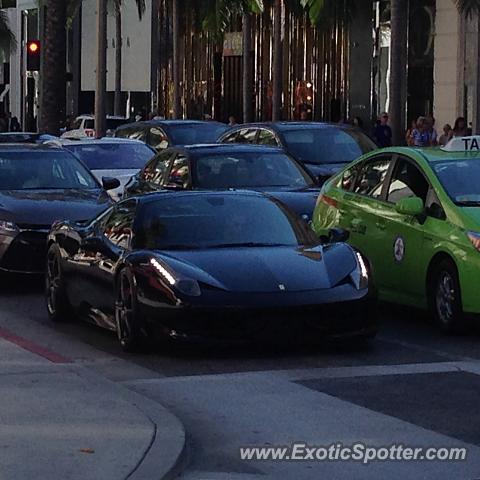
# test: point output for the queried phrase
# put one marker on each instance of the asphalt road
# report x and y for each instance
(412, 385)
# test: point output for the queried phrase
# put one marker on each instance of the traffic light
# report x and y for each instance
(33, 55)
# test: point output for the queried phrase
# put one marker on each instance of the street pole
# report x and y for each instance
(101, 90)
(277, 62)
(247, 69)
(119, 111)
(177, 108)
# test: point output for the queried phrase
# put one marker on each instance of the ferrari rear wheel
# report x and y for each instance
(58, 306)
(130, 332)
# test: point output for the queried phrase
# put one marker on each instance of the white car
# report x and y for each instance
(111, 157)
(85, 126)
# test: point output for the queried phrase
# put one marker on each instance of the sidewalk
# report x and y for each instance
(60, 421)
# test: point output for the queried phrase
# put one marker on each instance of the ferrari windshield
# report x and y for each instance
(249, 170)
(217, 220)
(43, 170)
(461, 179)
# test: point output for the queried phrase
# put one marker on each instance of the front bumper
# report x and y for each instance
(303, 323)
(25, 252)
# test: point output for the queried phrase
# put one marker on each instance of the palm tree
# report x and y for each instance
(7, 38)
(53, 67)
(117, 5)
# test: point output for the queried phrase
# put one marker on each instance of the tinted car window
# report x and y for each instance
(119, 226)
(372, 177)
(132, 133)
(347, 179)
(156, 170)
(247, 135)
(43, 170)
(266, 137)
(112, 156)
(248, 170)
(180, 172)
(230, 138)
(207, 132)
(326, 144)
(407, 181)
(219, 220)
(157, 138)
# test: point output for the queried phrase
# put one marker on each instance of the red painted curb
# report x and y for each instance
(33, 347)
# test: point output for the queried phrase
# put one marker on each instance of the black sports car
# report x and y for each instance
(38, 185)
(227, 263)
(324, 148)
(217, 166)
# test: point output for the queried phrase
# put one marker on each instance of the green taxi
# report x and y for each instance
(415, 215)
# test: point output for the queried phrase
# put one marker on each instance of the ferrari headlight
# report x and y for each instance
(8, 228)
(360, 275)
(475, 239)
(187, 286)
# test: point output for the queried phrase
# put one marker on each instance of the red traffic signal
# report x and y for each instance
(33, 55)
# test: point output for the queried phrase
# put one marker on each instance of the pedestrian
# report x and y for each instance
(432, 133)
(15, 125)
(232, 121)
(446, 135)
(382, 133)
(3, 123)
(460, 128)
(409, 134)
(420, 136)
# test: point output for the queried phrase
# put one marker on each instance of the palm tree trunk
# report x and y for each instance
(277, 61)
(118, 60)
(398, 68)
(53, 68)
(177, 108)
(247, 69)
(101, 90)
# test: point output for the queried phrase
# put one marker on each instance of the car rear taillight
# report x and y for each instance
(331, 202)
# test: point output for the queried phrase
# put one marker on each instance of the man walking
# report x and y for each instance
(382, 133)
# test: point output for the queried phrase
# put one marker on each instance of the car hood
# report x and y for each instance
(324, 170)
(264, 269)
(43, 207)
(301, 201)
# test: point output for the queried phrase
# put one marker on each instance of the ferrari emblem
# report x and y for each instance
(281, 287)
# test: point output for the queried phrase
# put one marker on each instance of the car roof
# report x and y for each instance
(28, 147)
(151, 197)
(99, 141)
(229, 147)
(286, 126)
(169, 123)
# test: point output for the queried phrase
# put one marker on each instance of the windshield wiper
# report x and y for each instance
(247, 244)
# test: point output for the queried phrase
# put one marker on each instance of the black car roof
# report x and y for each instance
(151, 197)
(229, 147)
(285, 126)
(168, 123)
(28, 147)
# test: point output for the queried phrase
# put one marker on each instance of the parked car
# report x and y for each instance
(217, 166)
(112, 157)
(25, 137)
(38, 185)
(226, 264)
(85, 126)
(324, 148)
(161, 134)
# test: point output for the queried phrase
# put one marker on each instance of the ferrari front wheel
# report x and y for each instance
(129, 324)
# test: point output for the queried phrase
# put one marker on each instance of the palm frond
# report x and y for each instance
(7, 37)
(468, 7)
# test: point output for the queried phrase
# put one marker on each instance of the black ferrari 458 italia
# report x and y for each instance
(232, 264)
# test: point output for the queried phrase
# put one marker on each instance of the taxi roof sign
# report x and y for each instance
(463, 144)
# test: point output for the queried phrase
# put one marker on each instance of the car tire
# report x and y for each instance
(130, 326)
(58, 306)
(445, 297)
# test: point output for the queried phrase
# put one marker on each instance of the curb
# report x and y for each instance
(165, 457)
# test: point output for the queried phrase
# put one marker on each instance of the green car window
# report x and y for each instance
(407, 181)
(372, 177)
